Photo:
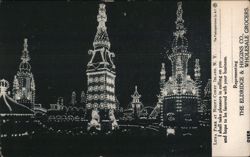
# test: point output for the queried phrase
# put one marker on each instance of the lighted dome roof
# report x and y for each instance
(180, 42)
(24, 66)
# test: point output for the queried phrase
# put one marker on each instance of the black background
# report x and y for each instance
(61, 33)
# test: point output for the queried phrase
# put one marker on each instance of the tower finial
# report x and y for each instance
(179, 12)
(101, 37)
(180, 42)
(180, 29)
(136, 95)
(102, 16)
(25, 56)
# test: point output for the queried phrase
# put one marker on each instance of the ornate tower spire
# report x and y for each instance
(25, 56)
(180, 42)
(101, 56)
(24, 65)
(101, 37)
(180, 55)
(180, 29)
(24, 83)
(136, 104)
(15, 89)
(136, 96)
(15, 83)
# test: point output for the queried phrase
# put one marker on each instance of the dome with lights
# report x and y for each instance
(25, 67)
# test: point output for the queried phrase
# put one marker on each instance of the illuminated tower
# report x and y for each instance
(101, 71)
(180, 92)
(73, 99)
(136, 104)
(24, 83)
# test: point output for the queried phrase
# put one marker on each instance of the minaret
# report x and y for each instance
(136, 104)
(15, 90)
(163, 75)
(197, 76)
(24, 83)
(83, 98)
(180, 54)
(101, 71)
(73, 98)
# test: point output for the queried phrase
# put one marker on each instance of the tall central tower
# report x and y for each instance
(24, 83)
(181, 93)
(101, 71)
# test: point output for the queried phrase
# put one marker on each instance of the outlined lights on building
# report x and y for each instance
(24, 83)
(180, 92)
(101, 72)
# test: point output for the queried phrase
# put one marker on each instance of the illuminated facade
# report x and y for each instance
(101, 72)
(15, 118)
(24, 83)
(181, 94)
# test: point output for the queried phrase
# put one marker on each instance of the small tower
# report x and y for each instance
(15, 90)
(136, 104)
(60, 101)
(197, 76)
(83, 98)
(24, 83)
(73, 99)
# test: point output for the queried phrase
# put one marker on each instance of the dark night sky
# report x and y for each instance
(61, 33)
